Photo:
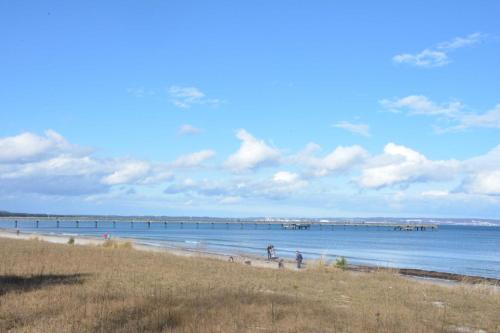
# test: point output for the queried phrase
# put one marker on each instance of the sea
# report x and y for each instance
(462, 249)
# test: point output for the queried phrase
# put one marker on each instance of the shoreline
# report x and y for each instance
(248, 259)
(436, 277)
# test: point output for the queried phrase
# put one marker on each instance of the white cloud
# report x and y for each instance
(486, 162)
(459, 42)
(342, 158)
(193, 160)
(51, 165)
(28, 146)
(421, 105)
(361, 129)
(158, 174)
(64, 175)
(483, 182)
(451, 111)
(281, 185)
(285, 177)
(490, 119)
(426, 58)
(399, 165)
(339, 160)
(438, 56)
(185, 97)
(253, 153)
(56, 169)
(483, 174)
(127, 172)
(188, 129)
(62, 165)
(435, 193)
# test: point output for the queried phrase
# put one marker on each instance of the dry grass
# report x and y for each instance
(59, 288)
(113, 244)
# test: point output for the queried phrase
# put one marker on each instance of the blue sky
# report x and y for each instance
(254, 108)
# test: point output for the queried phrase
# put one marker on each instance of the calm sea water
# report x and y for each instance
(471, 250)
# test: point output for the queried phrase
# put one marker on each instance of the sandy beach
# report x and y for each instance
(439, 278)
(254, 261)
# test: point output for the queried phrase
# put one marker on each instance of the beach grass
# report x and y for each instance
(114, 244)
(60, 288)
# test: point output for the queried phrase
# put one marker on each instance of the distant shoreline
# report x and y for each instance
(420, 274)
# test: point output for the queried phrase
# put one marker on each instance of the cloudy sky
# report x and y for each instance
(256, 108)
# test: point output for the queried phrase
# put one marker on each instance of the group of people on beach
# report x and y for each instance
(271, 255)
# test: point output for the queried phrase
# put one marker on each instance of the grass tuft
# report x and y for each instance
(341, 263)
(318, 264)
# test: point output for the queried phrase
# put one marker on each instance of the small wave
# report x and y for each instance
(152, 244)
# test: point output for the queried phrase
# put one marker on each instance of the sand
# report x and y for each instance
(254, 261)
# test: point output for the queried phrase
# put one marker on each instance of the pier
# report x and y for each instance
(196, 223)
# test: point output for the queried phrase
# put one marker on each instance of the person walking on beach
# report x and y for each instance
(269, 251)
(298, 259)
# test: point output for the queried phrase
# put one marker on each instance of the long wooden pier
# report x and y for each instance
(77, 222)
